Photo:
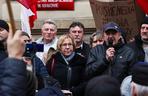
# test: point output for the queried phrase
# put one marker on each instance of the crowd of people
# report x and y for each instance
(108, 66)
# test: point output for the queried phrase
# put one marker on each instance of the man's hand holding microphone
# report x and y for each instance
(110, 52)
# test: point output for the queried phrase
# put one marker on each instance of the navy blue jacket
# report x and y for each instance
(40, 68)
(3, 53)
(13, 77)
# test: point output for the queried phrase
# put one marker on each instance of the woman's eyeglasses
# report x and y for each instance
(67, 44)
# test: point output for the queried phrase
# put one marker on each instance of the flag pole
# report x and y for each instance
(11, 16)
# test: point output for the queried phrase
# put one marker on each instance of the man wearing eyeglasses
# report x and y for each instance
(140, 44)
(113, 57)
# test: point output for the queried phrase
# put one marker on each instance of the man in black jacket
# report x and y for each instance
(140, 44)
(76, 30)
(113, 57)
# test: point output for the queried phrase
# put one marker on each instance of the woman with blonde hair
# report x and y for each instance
(67, 66)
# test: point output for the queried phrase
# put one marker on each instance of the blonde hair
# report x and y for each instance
(51, 51)
(61, 40)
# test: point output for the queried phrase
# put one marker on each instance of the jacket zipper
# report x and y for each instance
(69, 73)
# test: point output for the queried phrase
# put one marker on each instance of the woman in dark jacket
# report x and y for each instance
(67, 66)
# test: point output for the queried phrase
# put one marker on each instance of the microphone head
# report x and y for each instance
(110, 42)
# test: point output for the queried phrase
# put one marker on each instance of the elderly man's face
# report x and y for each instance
(112, 35)
(3, 34)
(144, 32)
(48, 32)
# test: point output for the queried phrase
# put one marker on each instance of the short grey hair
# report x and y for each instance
(49, 21)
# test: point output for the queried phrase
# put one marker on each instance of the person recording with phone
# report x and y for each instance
(112, 58)
(34, 64)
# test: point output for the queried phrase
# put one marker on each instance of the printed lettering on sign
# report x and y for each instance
(55, 5)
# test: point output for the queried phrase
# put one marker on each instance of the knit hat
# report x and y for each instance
(4, 24)
(145, 20)
(140, 73)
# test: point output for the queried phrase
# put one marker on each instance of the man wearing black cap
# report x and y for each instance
(140, 44)
(4, 29)
(113, 57)
(137, 83)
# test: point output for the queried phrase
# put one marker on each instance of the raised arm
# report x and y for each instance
(12, 69)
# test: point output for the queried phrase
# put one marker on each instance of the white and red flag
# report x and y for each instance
(28, 14)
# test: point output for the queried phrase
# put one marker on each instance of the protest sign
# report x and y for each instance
(121, 12)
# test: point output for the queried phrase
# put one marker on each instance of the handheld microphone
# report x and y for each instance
(110, 44)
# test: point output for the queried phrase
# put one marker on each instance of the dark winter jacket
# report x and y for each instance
(40, 68)
(41, 73)
(3, 53)
(84, 50)
(70, 75)
(119, 68)
(136, 45)
(13, 77)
